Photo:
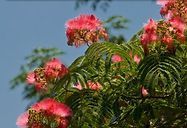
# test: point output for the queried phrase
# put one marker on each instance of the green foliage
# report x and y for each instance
(120, 102)
(160, 70)
(113, 25)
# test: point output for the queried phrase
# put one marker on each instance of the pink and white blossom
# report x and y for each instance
(94, 85)
(54, 68)
(144, 91)
(85, 29)
(116, 58)
(47, 107)
(22, 120)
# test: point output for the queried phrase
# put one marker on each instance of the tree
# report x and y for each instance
(138, 83)
(40, 56)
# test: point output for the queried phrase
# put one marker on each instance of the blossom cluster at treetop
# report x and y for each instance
(166, 34)
(85, 29)
(168, 30)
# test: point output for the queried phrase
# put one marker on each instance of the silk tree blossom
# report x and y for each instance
(173, 8)
(91, 85)
(149, 34)
(37, 78)
(77, 86)
(164, 32)
(41, 77)
(162, 2)
(22, 120)
(178, 23)
(84, 21)
(31, 78)
(53, 107)
(144, 91)
(179, 28)
(168, 40)
(54, 68)
(170, 30)
(150, 27)
(137, 59)
(116, 58)
(85, 29)
(49, 109)
(94, 85)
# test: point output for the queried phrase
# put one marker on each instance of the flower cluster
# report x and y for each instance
(51, 71)
(149, 34)
(166, 31)
(117, 58)
(173, 8)
(96, 86)
(85, 29)
(45, 114)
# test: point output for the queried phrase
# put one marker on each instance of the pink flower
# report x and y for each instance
(49, 108)
(144, 91)
(84, 21)
(137, 59)
(162, 2)
(147, 38)
(62, 110)
(85, 29)
(53, 107)
(168, 15)
(43, 105)
(151, 26)
(54, 68)
(173, 8)
(22, 120)
(41, 77)
(116, 58)
(78, 86)
(40, 87)
(149, 34)
(37, 78)
(31, 78)
(181, 36)
(178, 23)
(64, 70)
(94, 85)
(168, 40)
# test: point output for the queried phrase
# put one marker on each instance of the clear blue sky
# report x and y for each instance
(27, 25)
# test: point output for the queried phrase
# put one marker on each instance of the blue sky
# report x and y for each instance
(28, 25)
